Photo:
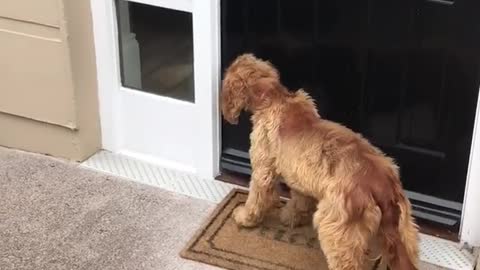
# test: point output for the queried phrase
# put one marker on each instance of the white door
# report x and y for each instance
(158, 72)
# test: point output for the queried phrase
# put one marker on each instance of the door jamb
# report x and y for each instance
(206, 39)
(470, 224)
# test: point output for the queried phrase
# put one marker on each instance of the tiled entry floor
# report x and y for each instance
(433, 250)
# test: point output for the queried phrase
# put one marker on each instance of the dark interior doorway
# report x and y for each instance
(404, 73)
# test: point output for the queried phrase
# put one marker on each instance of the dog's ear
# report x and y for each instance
(263, 92)
(233, 98)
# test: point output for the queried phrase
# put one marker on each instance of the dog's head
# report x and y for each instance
(247, 85)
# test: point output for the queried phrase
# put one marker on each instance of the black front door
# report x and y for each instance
(404, 73)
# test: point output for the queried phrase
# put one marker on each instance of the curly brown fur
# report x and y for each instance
(357, 187)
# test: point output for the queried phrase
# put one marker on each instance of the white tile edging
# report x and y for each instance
(168, 179)
(433, 250)
(445, 253)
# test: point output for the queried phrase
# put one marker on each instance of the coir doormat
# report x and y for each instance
(270, 246)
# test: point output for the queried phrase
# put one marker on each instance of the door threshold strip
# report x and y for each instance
(433, 250)
(172, 180)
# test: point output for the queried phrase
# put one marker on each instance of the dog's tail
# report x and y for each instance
(398, 232)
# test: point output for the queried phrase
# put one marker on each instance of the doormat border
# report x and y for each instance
(189, 253)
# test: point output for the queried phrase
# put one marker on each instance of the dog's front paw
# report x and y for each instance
(243, 218)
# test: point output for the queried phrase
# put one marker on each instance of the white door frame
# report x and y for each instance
(206, 39)
(470, 225)
(206, 18)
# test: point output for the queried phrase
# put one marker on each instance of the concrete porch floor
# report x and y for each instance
(54, 215)
(57, 215)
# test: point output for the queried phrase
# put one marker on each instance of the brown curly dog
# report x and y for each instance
(356, 187)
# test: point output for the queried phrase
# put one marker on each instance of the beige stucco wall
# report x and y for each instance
(48, 89)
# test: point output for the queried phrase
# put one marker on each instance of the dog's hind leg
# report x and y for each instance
(344, 242)
(261, 198)
(298, 210)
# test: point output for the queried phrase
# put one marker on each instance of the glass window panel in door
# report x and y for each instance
(156, 50)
